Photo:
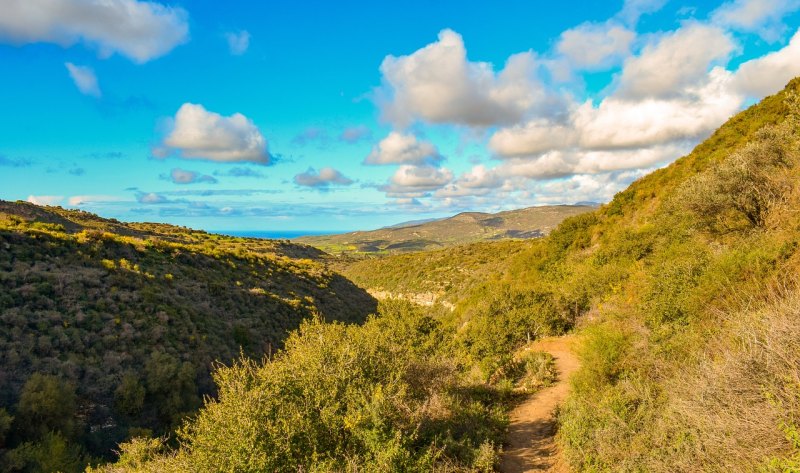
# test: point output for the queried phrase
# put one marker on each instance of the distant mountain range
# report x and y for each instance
(466, 227)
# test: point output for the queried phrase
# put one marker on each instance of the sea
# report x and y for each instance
(275, 235)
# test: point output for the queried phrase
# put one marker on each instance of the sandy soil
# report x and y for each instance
(530, 443)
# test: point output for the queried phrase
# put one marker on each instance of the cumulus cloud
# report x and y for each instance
(78, 200)
(151, 198)
(770, 73)
(675, 61)
(622, 124)
(480, 180)
(84, 78)
(632, 10)
(416, 181)
(325, 178)
(533, 137)
(238, 42)
(137, 29)
(184, 176)
(45, 199)
(583, 188)
(594, 46)
(763, 17)
(561, 163)
(439, 84)
(200, 134)
(402, 148)
(695, 114)
(354, 134)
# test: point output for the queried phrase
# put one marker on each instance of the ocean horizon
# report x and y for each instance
(276, 234)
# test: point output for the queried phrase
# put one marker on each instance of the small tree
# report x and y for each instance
(46, 404)
(742, 189)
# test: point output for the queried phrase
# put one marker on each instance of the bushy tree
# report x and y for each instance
(46, 404)
(51, 453)
(741, 190)
(129, 395)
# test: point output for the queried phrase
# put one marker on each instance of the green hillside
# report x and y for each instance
(466, 227)
(682, 291)
(128, 319)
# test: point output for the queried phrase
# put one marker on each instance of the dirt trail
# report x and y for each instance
(530, 443)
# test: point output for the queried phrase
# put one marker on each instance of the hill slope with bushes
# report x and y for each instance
(684, 292)
(124, 322)
(466, 227)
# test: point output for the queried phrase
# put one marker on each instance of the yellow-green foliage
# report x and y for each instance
(656, 279)
(133, 316)
(672, 378)
(378, 397)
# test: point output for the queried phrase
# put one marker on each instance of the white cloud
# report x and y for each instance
(151, 198)
(480, 180)
(624, 124)
(200, 134)
(238, 42)
(534, 137)
(402, 148)
(438, 84)
(324, 178)
(561, 163)
(45, 199)
(755, 16)
(480, 177)
(583, 188)
(78, 200)
(632, 10)
(416, 181)
(594, 46)
(675, 61)
(695, 112)
(139, 30)
(84, 79)
(184, 176)
(768, 74)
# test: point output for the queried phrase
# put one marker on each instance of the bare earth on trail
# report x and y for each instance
(530, 443)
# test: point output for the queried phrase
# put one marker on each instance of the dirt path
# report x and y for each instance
(530, 443)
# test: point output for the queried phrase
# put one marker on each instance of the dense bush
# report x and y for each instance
(377, 397)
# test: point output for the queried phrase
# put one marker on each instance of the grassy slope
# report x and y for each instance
(467, 227)
(660, 301)
(94, 301)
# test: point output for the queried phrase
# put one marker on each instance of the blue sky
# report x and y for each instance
(349, 115)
